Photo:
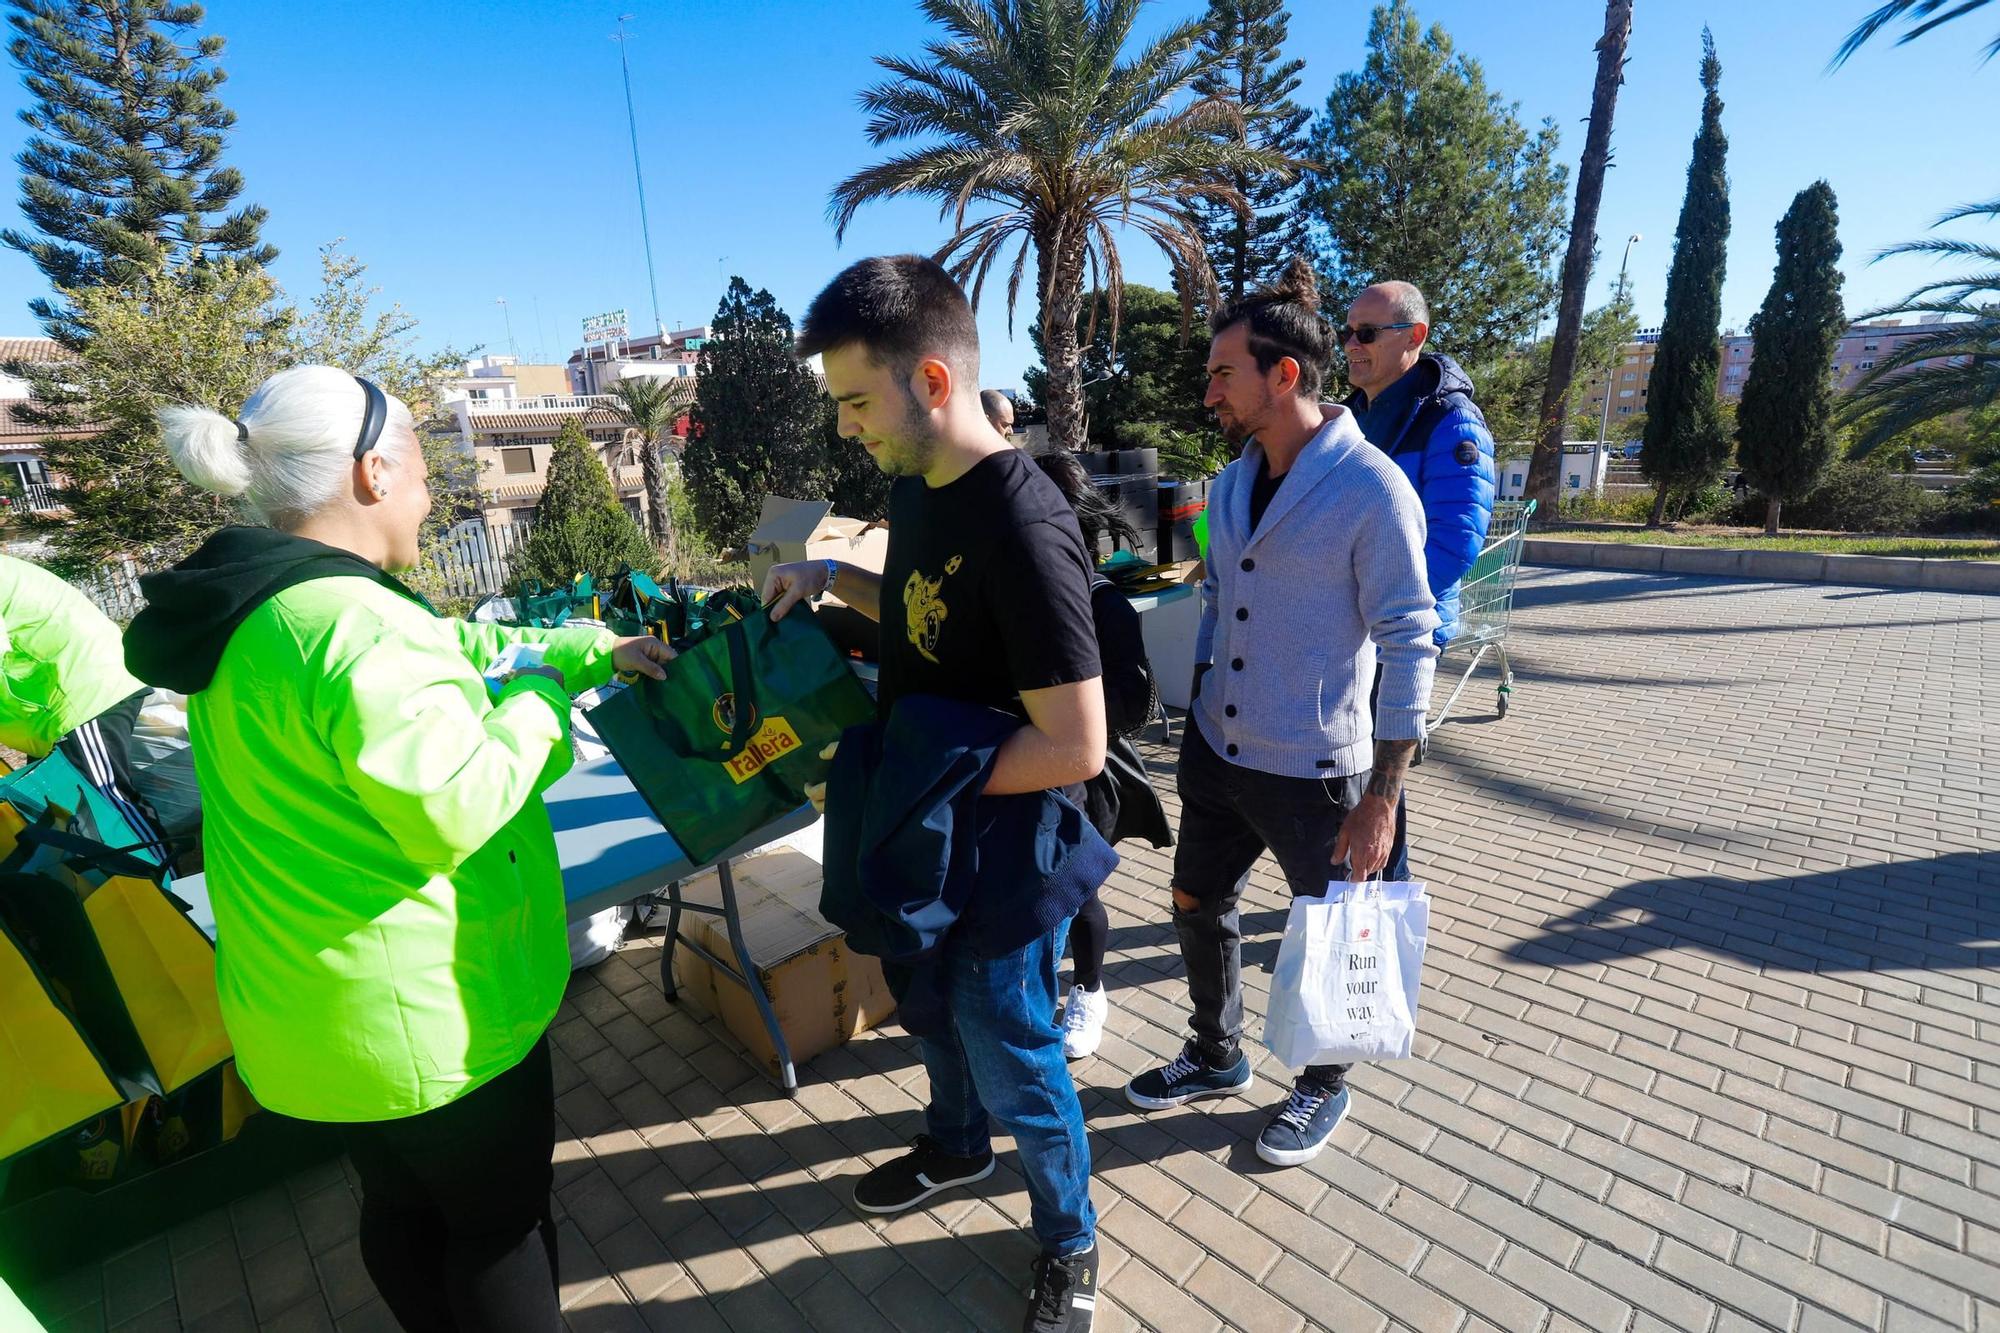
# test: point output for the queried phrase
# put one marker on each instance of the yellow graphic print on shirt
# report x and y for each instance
(924, 609)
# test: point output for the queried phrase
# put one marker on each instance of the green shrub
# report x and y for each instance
(1853, 497)
(1184, 455)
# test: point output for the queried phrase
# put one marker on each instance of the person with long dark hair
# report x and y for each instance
(1120, 800)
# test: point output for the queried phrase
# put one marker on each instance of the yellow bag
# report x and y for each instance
(165, 969)
(55, 1078)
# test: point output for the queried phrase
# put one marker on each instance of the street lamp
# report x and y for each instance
(1604, 421)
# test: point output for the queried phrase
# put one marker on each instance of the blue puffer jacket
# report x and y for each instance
(1452, 470)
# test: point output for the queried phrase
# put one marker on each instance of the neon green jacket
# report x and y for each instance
(61, 662)
(388, 905)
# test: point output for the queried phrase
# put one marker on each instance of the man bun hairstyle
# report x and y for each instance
(903, 309)
(1284, 321)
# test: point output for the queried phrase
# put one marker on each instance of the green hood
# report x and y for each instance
(193, 609)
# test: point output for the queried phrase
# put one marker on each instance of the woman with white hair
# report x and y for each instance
(390, 943)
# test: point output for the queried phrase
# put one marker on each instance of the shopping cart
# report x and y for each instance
(1486, 604)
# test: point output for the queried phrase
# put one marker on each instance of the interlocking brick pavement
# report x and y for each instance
(1708, 1042)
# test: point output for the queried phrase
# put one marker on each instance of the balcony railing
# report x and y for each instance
(547, 402)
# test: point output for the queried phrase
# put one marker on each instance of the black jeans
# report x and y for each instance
(1231, 815)
(455, 1219)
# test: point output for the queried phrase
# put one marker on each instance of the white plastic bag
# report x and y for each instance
(1345, 985)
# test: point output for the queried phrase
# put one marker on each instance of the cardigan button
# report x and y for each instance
(1242, 613)
(1236, 664)
(1248, 564)
(1231, 751)
(1229, 710)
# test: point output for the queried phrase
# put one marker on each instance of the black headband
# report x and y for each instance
(373, 418)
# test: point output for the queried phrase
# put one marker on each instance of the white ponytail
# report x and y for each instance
(206, 449)
(289, 453)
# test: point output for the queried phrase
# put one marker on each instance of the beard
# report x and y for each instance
(1240, 426)
(911, 450)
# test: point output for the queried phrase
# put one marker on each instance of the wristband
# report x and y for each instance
(832, 573)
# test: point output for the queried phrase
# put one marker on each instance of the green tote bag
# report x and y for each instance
(729, 740)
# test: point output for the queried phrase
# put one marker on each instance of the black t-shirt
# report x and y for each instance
(985, 589)
(1263, 491)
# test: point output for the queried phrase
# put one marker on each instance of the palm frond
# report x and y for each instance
(1922, 16)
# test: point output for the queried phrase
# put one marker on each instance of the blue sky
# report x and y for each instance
(474, 152)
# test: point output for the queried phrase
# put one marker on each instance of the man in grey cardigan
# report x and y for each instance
(1315, 572)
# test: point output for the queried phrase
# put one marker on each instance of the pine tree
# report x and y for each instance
(124, 161)
(1247, 38)
(1686, 446)
(758, 419)
(1423, 175)
(580, 528)
(1784, 425)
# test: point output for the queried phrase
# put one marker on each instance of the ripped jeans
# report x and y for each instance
(1231, 815)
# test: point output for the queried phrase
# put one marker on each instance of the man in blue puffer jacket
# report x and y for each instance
(1417, 407)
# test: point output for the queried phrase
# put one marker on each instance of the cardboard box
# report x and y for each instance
(822, 993)
(790, 530)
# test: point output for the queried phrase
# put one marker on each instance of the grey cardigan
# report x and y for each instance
(1289, 612)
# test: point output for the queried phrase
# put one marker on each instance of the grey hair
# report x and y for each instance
(1406, 301)
(289, 452)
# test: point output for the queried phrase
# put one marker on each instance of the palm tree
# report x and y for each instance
(1955, 368)
(1922, 15)
(1958, 367)
(646, 405)
(1034, 108)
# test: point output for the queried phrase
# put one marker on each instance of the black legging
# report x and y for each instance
(455, 1219)
(1087, 937)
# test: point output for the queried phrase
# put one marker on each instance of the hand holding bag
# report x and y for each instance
(729, 740)
(1345, 985)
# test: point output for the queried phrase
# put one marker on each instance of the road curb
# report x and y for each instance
(1773, 566)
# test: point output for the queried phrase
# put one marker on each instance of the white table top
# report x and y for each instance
(611, 847)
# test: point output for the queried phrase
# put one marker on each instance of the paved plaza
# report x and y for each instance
(1708, 1042)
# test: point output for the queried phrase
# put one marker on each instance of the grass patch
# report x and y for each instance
(1930, 548)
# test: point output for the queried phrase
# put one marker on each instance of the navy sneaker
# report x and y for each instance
(1186, 1079)
(1297, 1133)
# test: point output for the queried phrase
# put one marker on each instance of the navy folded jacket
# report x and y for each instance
(917, 860)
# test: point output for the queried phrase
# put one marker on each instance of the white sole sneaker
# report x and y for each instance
(931, 1190)
(1282, 1157)
(1145, 1103)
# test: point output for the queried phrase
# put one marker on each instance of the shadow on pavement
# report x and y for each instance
(1939, 913)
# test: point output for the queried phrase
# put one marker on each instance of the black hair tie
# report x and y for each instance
(242, 433)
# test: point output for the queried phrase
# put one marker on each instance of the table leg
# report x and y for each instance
(752, 982)
(673, 938)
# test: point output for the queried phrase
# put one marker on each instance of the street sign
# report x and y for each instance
(606, 327)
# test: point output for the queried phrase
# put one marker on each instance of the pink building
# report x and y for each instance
(1861, 349)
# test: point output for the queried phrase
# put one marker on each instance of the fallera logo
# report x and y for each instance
(774, 740)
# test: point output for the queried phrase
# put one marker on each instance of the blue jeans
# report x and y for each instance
(1002, 1058)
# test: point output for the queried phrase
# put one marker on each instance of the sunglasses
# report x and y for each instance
(1366, 334)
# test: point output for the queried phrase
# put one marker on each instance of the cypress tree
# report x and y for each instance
(1784, 426)
(580, 528)
(1686, 446)
(123, 168)
(1246, 38)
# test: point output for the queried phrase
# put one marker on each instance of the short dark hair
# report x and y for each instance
(1285, 320)
(902, 308)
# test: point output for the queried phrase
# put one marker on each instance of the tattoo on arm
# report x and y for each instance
(1392, 762)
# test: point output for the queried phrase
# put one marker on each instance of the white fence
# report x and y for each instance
(475, 560)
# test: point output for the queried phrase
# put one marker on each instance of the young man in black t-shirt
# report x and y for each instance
(984, 598)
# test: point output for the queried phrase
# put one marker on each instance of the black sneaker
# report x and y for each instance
(1297, 1133)
(1065, 1296)
(919, 1173)
(1186, 1079)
